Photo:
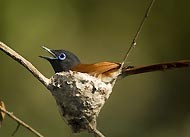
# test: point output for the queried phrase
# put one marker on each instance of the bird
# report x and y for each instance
(75, 108)
(64, 60)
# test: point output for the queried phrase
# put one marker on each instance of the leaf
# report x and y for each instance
(2, 114)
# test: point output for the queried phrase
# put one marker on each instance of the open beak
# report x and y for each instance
(51, 52)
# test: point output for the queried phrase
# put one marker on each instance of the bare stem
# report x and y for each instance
(25, 63)
(20, 122)
(133, 43)
(17, 128)
(95, 131)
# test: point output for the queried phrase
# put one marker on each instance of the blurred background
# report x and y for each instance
(146, 105)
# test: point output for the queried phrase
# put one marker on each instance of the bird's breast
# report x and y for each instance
(109, 77)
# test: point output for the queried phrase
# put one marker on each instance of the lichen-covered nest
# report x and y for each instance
(80, 98)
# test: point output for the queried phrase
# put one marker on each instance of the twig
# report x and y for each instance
(17, 128)
(25, 63)
(157, 67)
(97, 133)
(133, 43)
(21, 122)
(93, 130)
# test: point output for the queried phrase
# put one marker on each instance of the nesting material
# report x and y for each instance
(80, 98)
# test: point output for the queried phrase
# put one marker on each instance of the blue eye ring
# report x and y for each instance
(62, 56)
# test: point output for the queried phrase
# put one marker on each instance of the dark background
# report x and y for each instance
(147, 105)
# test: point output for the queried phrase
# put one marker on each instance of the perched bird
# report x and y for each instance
(63, 60)
(82, 104)
(81, 100)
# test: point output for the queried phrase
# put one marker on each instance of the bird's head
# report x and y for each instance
(61, 60)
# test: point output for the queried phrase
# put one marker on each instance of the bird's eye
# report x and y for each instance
(62, 56)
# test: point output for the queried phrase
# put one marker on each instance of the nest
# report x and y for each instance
(80, 97)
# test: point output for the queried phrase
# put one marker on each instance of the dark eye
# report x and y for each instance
(62, 56)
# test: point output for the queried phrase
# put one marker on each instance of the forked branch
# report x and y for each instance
(20, 122)
(129, 71)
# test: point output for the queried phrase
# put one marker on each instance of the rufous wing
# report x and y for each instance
(97, 68)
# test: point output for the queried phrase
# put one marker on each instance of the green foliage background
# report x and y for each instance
(147, 105)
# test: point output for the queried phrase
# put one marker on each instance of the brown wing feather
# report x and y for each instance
(97, 68)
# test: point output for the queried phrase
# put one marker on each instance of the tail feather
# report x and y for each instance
(130, 70)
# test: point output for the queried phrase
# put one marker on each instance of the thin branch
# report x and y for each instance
(133, 43)
(156, 67)
(25, 63)
(21, 122)
(94, 131)
(97, 133)
(17, 128)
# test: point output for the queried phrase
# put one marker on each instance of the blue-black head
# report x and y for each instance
(61, 60)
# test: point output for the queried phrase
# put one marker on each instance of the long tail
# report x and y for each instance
(154, 67)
